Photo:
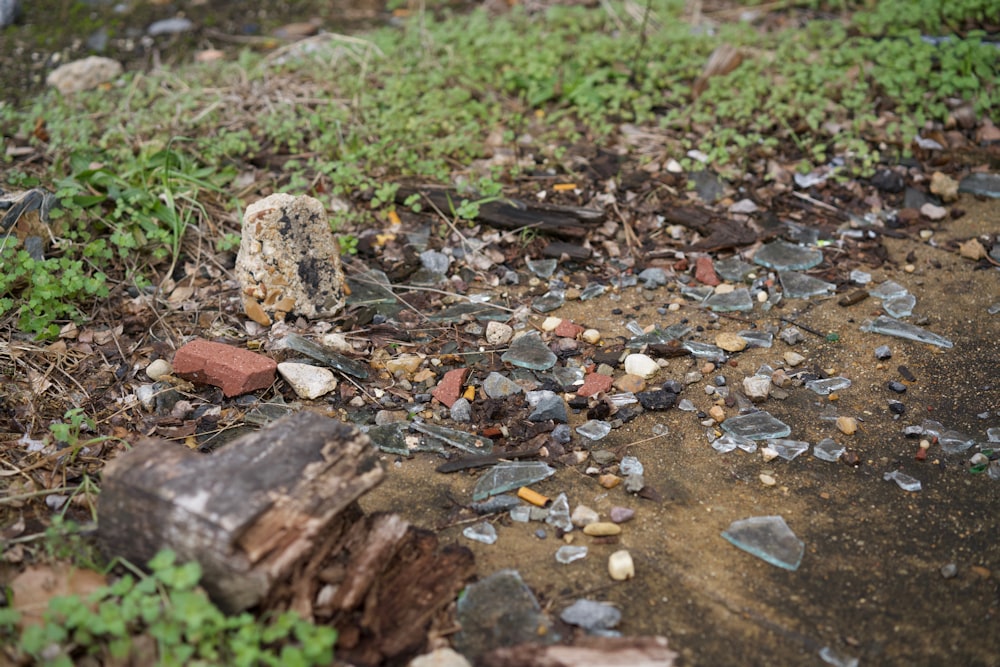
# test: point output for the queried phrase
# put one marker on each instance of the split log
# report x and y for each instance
(272, 519)
(586, 652)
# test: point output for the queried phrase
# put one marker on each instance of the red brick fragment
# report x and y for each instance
(595, 383)
(236, 370)
(567, 329)
(704, 272)
(449, 389)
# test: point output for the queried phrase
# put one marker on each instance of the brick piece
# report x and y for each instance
(236, 370)
(568, 329)
(704, 272)
(595, 383)
(449, 389)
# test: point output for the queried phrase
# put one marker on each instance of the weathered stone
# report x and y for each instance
(704, 272)
(289, 259)
(84, 74)
(594, 383)
(449, 389)
(944, 186)
(235, 370)
(731, 342)
(308, 381)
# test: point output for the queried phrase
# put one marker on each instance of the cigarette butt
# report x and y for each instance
(564, 187)
(533, 497)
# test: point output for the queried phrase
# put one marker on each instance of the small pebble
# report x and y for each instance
(793, 359)
(847, 425)
(583, 516)
(731, 342)
(601, 529)
(620, 565)
(897, 387)
(592, 336)
(768, 454)
(717, 413)
(609, 481)
(621, 514)
(158, 368)
(767, 480)
(949, 571)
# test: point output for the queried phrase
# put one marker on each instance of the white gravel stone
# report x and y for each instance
(158, 368)
(442, 657)
(337, 342)
(584, 515)
(550, 323)
(84, 74)
(498, 333)
(307, 381)
(641, 365)
(620, 565)
(793, 359)
(757, 387)
(592, 336)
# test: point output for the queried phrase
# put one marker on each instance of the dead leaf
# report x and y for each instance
(724, 59)
(972, 249)
(36, 586)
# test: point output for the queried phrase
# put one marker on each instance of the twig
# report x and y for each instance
(802, 326)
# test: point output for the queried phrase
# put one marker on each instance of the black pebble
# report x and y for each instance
(897, 387)
(896, 408)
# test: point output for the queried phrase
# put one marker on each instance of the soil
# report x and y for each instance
(870, 584)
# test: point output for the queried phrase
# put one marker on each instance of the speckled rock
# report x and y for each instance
(84, 74)
(289, 260)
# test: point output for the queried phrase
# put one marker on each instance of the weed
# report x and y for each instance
(168, 609)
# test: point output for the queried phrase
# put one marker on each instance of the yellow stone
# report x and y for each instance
(255, 312)
(601, 529)
(847, 425)
(731, 342)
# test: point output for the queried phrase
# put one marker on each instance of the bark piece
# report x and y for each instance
(250, 514)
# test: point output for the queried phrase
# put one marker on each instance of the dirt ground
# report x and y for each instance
(870, 584)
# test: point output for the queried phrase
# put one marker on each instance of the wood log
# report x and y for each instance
(249, 514)
(273, 520)
(586, 652)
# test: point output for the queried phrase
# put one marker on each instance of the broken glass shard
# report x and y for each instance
(826, 386)
(370, 288)
(543, 268)
(481, 532)
(738, 299)
(592, 616)
(859, 277)
(635, 328)
(568, 377)
(995, 308)
(784, 256)
(326, 356)
(499, 610)
(993, 434)
(755, 338)
(704, 350)
(630, 465)
(653, 277)
(697, 293)
(987, 185)
(592, 291)
(827, 449)
(559, 514)
(953, 442)
(892, 327)
(768, 538)
(625, 280)
(890, 289)
(467, 442)
(801, 234)
(756, 426)
(392, 438)
(837, 659)
(567, 554)
(594, 429)
(549, 301)
(800, 286)
(461, 312)
(900, 306)
(658, 336)
(733, 268)
(521, 514)
(505, 477)
(530, 351)
(905, 482)
(729, 442)
(787, 449)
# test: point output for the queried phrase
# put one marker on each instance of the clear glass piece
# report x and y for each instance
(905, 482)
(756, 426)
(530, 351)
(569, 553)
(784, 256)
(889, 326)
(800, 286)
(826, 386)
(788, 449)
(594, 429)
(467, 442)
(738, 299)
(481, 532)
(768, 538)
(505, 477)
(827, 449)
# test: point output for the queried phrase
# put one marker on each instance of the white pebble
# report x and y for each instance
(550, 323)
(308, 381)
(767, 480)
(641, 365)
(592, 336)
(620, 565)
(158, 369)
